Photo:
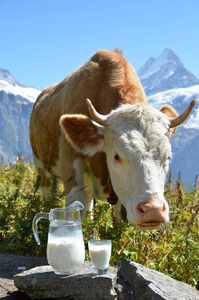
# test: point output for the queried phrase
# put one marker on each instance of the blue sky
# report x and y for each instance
(41, 41)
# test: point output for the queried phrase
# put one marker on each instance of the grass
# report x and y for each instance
(172, 249)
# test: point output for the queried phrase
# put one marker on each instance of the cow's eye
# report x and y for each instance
(116, 157)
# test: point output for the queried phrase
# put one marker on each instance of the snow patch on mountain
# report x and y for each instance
(10, 86)
(17, 90)
(171, 96)
(179, 99)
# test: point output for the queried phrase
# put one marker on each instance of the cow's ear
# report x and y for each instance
(82, 133)
(170, 112)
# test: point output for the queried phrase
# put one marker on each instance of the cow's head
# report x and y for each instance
(135, 139)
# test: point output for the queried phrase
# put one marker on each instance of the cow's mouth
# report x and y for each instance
(150, 224)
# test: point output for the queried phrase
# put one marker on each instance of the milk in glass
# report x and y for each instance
(100, 252)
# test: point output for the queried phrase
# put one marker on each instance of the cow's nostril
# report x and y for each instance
(141, 208)
(161, 207)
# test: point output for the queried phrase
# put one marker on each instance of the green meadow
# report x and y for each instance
(173, 249)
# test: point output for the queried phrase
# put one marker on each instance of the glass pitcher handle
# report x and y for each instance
(34, 224)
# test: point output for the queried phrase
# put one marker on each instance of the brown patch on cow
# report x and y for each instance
(99, 168)
(170, 112)
(80, 131)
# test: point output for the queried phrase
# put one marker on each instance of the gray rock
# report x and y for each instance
(132, 281)
(41, 282)
(147, 284)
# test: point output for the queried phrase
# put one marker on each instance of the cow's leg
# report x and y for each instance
(45, 184)
(72, 173)
(74, 186)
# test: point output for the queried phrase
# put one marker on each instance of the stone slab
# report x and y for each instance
(149, 284)
(42, 282)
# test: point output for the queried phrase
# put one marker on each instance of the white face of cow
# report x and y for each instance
(138, 149)
(134, 138)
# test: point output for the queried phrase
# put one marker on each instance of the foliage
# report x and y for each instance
(20, 201)
(173, 249)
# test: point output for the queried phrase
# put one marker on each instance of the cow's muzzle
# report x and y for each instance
(152, 214)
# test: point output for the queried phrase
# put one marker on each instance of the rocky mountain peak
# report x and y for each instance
(6, 76)
(164, 73)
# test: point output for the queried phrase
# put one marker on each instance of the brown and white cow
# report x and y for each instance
(118, 138)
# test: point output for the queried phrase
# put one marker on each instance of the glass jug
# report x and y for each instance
(65, 247)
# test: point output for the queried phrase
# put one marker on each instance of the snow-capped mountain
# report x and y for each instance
(164, 73)
(16, 103)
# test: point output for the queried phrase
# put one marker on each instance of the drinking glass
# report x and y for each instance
(100, 253)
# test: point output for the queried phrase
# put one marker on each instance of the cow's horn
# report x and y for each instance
(180, 119)
(101, 119)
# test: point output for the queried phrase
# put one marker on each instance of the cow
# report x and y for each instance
(96, 132)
